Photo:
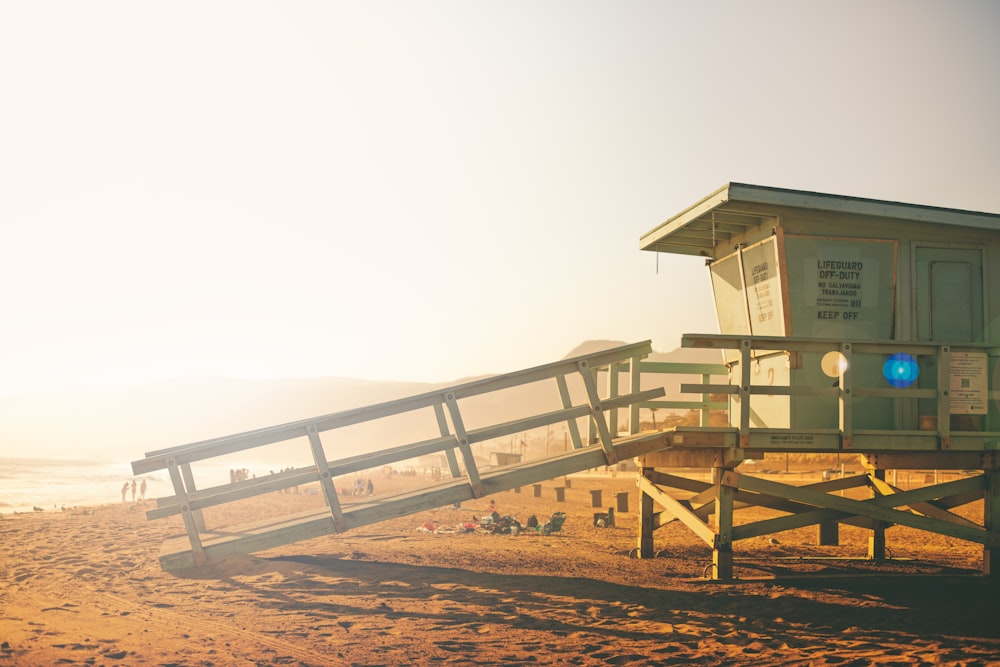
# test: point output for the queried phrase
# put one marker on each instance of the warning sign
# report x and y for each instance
(839, 289)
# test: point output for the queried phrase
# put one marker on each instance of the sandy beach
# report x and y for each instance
(83, 586)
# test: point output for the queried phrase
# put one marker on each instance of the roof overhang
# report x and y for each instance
(735, 207)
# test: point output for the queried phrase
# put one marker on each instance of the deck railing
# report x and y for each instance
(845, 392)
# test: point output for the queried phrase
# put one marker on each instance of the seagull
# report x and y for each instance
(773, 541)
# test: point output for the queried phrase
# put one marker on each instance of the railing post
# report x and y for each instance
(449, 453)
(325, 481)
(944, 396)
(635, 386)
(706, 411)
(612, 392)
(188, 476)
(567, 402)
(190, 524)
(846, 399)
(597, 413)
(463, 445)
(744, 394)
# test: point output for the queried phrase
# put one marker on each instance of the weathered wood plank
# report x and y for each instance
(927, 508)
(679, 510)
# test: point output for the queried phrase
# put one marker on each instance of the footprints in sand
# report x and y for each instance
(67, 590)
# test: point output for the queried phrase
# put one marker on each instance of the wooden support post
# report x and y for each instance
(188, 476)
(560, 494)
(876, 541)
(645, 545)
(991, 515)
(722, 552)
(646, 518)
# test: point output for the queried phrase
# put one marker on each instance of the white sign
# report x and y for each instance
(840, 283)
(969, 387)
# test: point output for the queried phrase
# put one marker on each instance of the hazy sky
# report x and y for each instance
(432, 190)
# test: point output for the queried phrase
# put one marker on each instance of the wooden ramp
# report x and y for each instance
(178, 554)
(584, 394)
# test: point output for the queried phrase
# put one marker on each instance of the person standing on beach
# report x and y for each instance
(134, 485)
(124, 491)
(142, 489)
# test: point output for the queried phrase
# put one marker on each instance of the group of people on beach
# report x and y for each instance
(363, 487)
(134, 486)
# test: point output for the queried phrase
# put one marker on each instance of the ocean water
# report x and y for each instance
(55, 483)
(52, 484)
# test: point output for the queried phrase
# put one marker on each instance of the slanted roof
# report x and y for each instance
(735, 207)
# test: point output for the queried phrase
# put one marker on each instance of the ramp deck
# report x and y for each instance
(579, 392)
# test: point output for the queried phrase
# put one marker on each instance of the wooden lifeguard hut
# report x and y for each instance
(847, 325)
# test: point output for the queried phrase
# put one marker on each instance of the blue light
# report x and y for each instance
(900, 370)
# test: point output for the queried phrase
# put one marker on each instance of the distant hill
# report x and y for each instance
(88, 422)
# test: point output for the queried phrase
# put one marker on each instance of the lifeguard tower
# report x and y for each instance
(847, 325)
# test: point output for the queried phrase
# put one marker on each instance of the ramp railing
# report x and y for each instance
(455, 441)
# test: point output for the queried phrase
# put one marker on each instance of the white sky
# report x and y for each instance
(432, 190)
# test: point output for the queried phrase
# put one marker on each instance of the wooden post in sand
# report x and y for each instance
(725, 481)
(876, 541)
(560, 494)
(828, 533)
(622, 501)
(991, 516)
(646, 520)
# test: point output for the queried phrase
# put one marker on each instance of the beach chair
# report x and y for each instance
(554, 524)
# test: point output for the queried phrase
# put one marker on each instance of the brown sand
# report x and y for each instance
(84, 587)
